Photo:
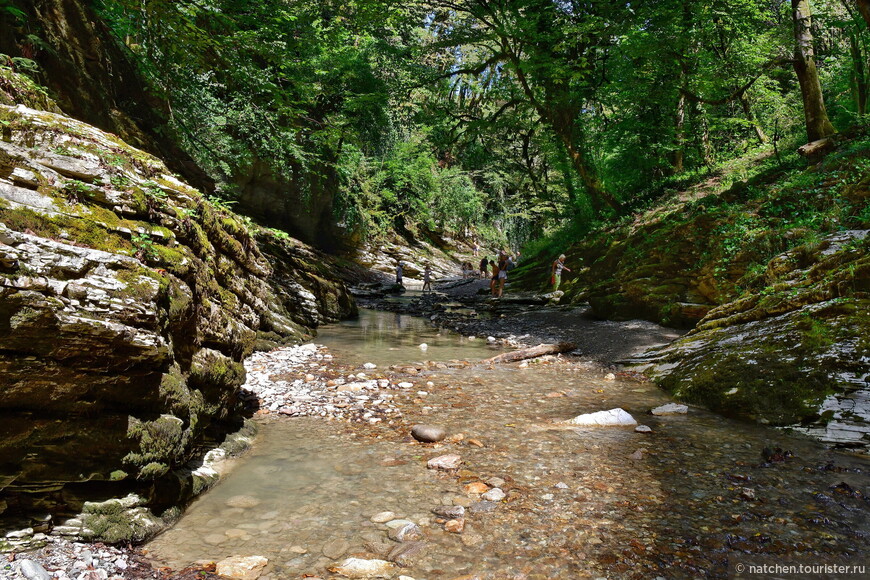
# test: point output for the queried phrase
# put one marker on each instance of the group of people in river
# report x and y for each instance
(496, 270)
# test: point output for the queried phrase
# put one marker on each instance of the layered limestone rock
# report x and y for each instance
(127, 304)
(796, 353)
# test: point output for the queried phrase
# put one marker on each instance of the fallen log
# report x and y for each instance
(533, 352)
(815, 150)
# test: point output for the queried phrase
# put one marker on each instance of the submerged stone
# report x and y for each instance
(445, 462)
(670, 409)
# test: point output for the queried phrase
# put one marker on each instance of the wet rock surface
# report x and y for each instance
(798, 358)
(526, 321)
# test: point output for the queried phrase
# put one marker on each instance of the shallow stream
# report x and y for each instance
(696, 501)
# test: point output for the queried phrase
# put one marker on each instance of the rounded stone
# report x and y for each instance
(428, 433)
(383, 517)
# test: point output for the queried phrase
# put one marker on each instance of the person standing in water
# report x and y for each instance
(427, 278)
(556, 272)
(502, 265)
(399, 273)
(493, 281)
(483, 266)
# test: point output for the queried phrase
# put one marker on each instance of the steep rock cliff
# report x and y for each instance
(127, 303)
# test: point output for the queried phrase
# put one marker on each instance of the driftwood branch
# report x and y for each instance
(533, 352)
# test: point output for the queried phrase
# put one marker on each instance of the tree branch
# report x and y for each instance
(737, 93)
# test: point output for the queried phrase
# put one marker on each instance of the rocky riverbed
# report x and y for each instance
(344, 489)
(524, 319)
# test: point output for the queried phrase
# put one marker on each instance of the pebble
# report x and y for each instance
(242, 567)
(445, 462)
(33, 570)
(243, 501)
(451, 512)
(362, 568)
(495, 494)
(561, 485)
(670, 409)
(643, 429)
(483, 507)
(637, 455)
(396, 524)
(383, 517)
(406, 533)
(428, 433)
(405, 385)
(476, 487)
(312, 396)
(335, 548)
(455, 526)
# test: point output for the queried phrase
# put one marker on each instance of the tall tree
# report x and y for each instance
(815, 115)
(554, 54)
(864, 9)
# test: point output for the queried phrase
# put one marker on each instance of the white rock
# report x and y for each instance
(361, 568)
(643, 429)
(400, 523)
(33, 570)
(613, 417)
(242, 567)
(450, 461)
(610, 377)
(424, 346)
(490, 339)
(495, 494)
(370, 366)
(405, 385)
(670, 409)
(383, 517)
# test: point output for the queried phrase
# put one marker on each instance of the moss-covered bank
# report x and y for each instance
(127, 304)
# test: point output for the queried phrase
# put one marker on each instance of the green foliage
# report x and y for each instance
(519, 118)
(145, 249)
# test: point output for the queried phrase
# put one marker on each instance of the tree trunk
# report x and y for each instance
(859, 78)
(750, 116)
(590, 178)
(864, 9)
(706, 147)
(679, 134)
(816, 117)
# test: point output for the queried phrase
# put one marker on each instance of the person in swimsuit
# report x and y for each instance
(502, 273)
(493, 281)
(427, 278)
(556, 272)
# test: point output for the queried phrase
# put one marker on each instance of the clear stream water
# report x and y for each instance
(699, 502)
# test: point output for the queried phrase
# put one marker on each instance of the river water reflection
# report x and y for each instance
(694, 498)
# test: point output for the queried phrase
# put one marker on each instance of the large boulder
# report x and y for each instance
(794, 354)
(127, 304)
